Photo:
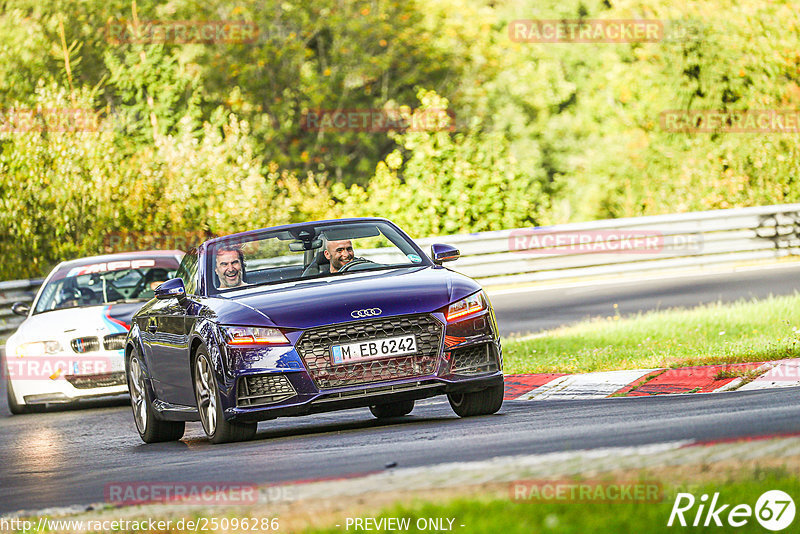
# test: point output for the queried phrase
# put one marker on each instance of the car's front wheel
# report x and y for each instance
(206, 392)
(150, 429)
(395, 409)
(484, 402)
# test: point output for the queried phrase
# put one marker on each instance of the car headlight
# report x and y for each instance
(253, 335)
(467, 306)
(38, 348)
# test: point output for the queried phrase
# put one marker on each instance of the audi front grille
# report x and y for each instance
(315, 344)
(475, 360)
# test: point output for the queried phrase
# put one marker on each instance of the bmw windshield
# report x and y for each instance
(105, 282)
(308, 251)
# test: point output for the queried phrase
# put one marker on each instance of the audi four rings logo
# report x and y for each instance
(369, 312)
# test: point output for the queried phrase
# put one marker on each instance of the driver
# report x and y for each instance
(68, 298)
(339, 253)
(230, 267)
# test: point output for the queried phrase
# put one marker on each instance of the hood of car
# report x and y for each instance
(70, 323)
(354, 296)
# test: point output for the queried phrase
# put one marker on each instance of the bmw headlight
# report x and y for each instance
(253, 335)
(467, 306)
(38, 348)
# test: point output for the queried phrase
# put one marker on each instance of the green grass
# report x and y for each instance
(482, 515)
(745, 331)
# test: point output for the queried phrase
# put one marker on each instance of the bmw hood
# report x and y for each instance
(354, 296)
(67, 324)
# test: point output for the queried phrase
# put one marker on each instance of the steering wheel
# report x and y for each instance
(355, 261)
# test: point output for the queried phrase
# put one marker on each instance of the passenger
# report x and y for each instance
(230, 267)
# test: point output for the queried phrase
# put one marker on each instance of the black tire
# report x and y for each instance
(395, 409)
(150, 428)
(209, 406)
(13, 406)
(484, 402)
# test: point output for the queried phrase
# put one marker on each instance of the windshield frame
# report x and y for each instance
(207, 250)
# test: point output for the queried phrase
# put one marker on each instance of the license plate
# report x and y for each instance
(374, 348)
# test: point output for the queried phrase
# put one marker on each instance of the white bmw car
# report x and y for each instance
(70, 346)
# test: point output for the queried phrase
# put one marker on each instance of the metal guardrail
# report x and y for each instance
(620, 246)
(11, 292)
(607, 247)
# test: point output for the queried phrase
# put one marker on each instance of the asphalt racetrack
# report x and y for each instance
(68, 457)
(522, 311)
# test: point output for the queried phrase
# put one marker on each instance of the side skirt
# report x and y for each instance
(175, 412)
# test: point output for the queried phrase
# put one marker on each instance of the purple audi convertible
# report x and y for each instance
(309, 318)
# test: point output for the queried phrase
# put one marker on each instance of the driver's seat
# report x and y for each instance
(318, 265)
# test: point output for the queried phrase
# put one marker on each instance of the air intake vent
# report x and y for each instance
(85, 344)
(476, 360)
(256, 390)
(97, 381)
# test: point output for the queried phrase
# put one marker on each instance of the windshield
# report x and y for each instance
(102, 283)
(307, 252)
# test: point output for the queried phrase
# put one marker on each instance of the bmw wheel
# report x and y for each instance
(484, 402)
(151, 429)
(206, 392)
(395, 409)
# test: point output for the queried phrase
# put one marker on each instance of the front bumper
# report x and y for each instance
(62, 379)
(458, 357)
(369, 396)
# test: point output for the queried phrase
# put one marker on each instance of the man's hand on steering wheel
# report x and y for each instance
(354, 261)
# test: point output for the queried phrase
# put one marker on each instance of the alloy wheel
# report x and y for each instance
(206, 394)
(138, 397)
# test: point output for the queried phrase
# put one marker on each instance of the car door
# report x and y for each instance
(148, 331)
(165, 342)
(174, 321)
(172, 354)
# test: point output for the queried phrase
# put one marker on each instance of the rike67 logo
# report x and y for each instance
(774, 510)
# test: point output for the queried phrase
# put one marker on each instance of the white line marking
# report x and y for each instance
(784, 373)
(585, 386)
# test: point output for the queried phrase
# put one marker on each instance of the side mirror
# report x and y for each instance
(442, 253)
(171, 288)
(20, 308)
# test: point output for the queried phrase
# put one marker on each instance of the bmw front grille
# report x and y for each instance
(85, 344)
(115, 341)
